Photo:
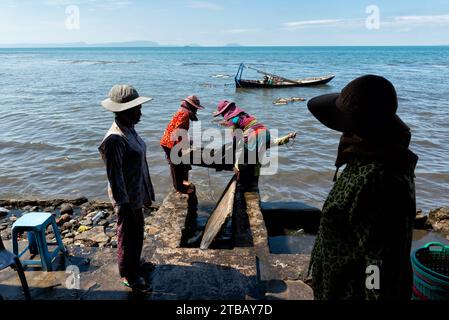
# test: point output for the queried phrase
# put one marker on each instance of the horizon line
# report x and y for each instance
(88, 46)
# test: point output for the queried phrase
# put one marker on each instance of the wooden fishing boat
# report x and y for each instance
(275, 81)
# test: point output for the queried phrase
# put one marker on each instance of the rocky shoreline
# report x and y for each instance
(85, 223)
(82, 223)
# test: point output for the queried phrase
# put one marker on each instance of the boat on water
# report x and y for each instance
(274, 81)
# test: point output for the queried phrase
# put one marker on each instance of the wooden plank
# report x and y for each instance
(220, 215)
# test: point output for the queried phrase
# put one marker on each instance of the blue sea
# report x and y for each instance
(52, 121)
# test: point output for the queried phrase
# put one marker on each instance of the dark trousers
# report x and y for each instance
(248, 178)
(179, 172)
(130, 233)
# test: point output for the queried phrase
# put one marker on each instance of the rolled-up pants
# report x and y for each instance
(130, 234)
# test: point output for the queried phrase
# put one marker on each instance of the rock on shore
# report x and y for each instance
(439, 219)
(3, 212)
(422, 221)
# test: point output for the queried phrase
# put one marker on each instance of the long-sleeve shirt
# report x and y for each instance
(250, 126)
(247, 123)
(124, 154)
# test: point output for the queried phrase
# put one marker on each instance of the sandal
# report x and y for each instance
(138, 285)
(146, 265)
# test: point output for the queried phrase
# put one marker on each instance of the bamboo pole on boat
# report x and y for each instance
(273, 75)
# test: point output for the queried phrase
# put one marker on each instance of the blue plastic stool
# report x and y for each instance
(36, 223)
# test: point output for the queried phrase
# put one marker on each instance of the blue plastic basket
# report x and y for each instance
(431, 272)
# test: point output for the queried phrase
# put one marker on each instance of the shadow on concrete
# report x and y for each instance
(61, 262)
(203, 281)
(199, 281)
(60, 293)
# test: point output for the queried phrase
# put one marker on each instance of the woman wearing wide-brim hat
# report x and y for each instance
(254, 142)
(175, 133)
(362, 251)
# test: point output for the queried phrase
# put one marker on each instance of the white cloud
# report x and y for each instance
(408, 23)
(93, 4)
(398, 23)
(342, 23)
(404, 30)
(113, 5)
(305, 23)
(10, 4)
(66, 2)
(204, 5)
(239, 31)
(420, 20)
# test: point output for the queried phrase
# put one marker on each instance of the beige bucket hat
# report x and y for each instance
(123, 97)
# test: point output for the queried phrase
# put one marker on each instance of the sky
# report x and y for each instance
(217, 23)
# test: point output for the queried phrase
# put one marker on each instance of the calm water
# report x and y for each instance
(52, 122)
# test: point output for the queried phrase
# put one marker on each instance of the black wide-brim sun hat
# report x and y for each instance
(367, 105)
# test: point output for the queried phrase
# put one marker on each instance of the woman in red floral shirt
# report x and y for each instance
(172, 136)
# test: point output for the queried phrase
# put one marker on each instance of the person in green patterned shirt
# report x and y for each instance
(362, 251)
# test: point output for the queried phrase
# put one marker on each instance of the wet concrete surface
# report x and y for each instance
(98, 278)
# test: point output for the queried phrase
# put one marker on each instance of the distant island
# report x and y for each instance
(127, 44)
(153, 44)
